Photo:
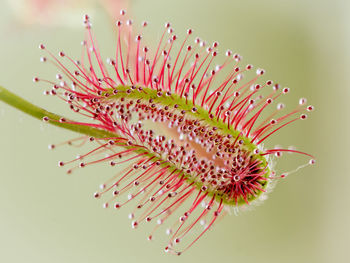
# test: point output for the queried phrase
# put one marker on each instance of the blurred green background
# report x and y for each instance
(47, 216)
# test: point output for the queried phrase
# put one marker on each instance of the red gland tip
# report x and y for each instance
(286, 90)
(310, 108)
(51, 146)
(303, 116)
(302, 101)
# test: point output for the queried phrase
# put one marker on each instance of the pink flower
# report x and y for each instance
(60, 12)
(191, 133)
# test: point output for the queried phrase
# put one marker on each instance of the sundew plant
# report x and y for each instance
(190, 130)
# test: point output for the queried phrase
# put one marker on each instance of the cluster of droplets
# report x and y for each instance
(213, 160)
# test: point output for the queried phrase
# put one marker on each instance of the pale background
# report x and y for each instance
(47, 216)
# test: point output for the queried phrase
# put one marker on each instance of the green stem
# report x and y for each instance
(39, 113)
